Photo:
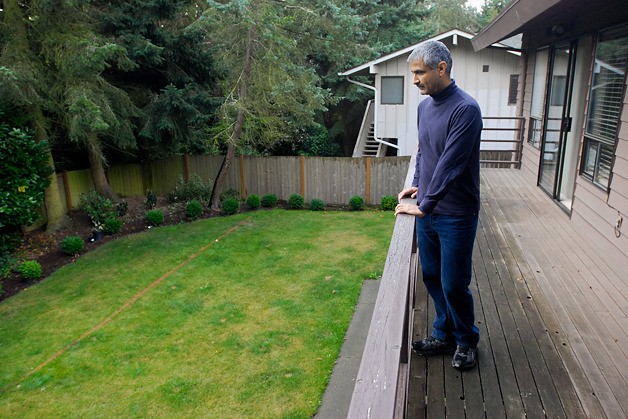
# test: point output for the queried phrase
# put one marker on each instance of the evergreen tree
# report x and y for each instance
(173, 80)
(23, 82)
(268, 51)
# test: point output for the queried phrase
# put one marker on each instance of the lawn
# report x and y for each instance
(238, 316)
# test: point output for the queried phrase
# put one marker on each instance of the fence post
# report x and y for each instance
(186, 167)
(302, 173)
(367, 195)
(242, 178)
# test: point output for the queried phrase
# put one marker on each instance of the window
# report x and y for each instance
(512, 89)
(605, 102)
(485, 68)
(538, 97)
(392, 90)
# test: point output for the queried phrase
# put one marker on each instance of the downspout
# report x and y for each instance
(379, 140)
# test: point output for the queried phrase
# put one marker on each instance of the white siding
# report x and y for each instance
(490, 89)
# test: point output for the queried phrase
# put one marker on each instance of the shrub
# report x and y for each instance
(122, 208)
(151, 200)
(269, 200)
(112, 226)
(6, 261)
(195, 188)
(230, 206)
(296, 201)
(99, 208)
(253, 202)
(317, 205)
(229, 193)
(388, 203)
(31, 269)
(356, 203)
(193, 210)
(155, 217)
(72, 245)
(25, 172)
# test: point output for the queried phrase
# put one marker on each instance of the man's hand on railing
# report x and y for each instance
(412, 190)
(412, 209)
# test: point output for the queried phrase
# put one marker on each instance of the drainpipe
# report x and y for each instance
(379, 140)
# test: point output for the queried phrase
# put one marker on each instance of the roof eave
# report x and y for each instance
(510, 21)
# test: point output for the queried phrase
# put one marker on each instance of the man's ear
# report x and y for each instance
(442, 68)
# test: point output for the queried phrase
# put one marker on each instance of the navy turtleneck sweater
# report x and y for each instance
(447, 172)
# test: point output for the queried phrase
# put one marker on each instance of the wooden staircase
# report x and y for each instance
(371, 146)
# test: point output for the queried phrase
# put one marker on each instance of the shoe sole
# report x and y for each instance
(464, 367)
(434, 353)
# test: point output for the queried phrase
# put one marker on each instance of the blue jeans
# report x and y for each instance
(446, 249)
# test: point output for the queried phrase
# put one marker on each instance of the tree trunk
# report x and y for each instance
(94, 155)
(239, 124)
(57, 217)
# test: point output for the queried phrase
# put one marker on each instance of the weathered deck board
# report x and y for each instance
(551, 312)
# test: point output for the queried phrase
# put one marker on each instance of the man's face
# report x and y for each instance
(430, 81)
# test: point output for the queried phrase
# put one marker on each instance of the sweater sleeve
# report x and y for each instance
(417, 164)
(461, 139)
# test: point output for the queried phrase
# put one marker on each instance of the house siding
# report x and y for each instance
(593, 210)
(490, 89)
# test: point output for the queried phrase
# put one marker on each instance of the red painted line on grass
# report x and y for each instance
(129, 303)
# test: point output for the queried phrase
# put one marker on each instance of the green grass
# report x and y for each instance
(250, 327)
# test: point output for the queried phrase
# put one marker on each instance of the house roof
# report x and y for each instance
(510, 21)
(444, 35)
(553, 20)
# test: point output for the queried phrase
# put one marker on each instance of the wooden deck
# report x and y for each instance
(552, 315)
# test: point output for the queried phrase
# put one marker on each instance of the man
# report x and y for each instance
(447, 188)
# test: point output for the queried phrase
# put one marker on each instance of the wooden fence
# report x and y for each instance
(332, 179)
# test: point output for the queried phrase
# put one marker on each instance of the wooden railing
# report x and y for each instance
(381, 385)
(499, 134)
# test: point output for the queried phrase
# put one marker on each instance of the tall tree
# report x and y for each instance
(490, 10)
(266, 49)
(22, 87)
(444, 15)
(173, 80)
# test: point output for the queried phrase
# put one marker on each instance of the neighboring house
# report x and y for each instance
(389, 124)
(574, 102)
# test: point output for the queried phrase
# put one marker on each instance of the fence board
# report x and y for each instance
(127, 180)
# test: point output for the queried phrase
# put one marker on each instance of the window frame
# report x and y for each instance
(591, 140)
(402, 99)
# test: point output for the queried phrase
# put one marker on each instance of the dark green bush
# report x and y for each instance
(151, 200)
(317, 205)
(155, 217)
(230, 206)
(296, 201)
(25, 172)
(356, 203)
(122, 208)
(229, 193)
(112, 226)
(99, 208)
(31, 269)
(269, 200)
(195, 188)
(72, 245)
(253, 201)
(193, 210)
(388, 203)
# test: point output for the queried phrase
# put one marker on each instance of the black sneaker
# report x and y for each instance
(431, 346)
(465, 358)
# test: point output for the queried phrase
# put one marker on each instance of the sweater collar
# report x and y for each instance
(445, 93)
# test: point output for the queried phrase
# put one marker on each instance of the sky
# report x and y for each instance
(475, 3)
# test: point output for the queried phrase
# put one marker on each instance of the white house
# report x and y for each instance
(491, 76)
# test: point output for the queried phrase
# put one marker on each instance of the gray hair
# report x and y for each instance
(432, 53)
